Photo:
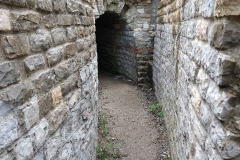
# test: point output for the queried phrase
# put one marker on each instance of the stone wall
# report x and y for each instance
(125, 40)
(115, 46)
(48, 80)
(196, 76)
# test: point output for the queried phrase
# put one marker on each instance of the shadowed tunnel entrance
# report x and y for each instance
(115, 46)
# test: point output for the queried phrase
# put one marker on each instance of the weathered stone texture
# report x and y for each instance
(5, 20)
(15, 45)
(9, 73)
(40, 64)
(34, 63)
(195, 62)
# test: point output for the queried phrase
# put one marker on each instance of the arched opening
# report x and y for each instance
(115, 45)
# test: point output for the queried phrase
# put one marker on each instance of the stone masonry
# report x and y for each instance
(48, 80)
(196, 76)
(125, 33)
(48, 73)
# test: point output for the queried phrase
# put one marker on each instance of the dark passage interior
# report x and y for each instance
(115, 46)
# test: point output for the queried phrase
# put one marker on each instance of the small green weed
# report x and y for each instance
(152, 107)
(156, 109)
(106, 151)
(160, 114)
(168, 157)
(101, 152)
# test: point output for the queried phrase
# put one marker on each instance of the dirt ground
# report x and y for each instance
(128, 130)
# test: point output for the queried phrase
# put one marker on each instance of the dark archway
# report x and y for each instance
(115, 45)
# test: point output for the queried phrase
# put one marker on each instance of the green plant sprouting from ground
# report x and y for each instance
(106, 148)
(160, 114)
(156, 109)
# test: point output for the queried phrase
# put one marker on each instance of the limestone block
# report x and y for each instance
(69, 84)
(189, 10)
(56, 116)
(63, 70)
(80, 44)
(223, 104)
(9, 73)
(71, 49)
(77, 19)
(8, 131)
(65, 20)
(15, 45)
(41, 40)
(45, 104)
(66, 151)
(206, 8)
(74, 98)
(56, 95)
(74, 6)
(45, 5)
(39, 155)
(203, 82)
(50, 20)
(84, 75)
(25, 20)
(86, 30)
(5, 107)
(29, 113)
(59, 5)
(90, 12)
(15, 2)
(39, 133)
(80, 31)
(34, 63)
(31, 3)
(224, 140)
(45, 81)
(220, 66)
(224, 34)
(17, 93)
(72, 33)
(226, 8)
(59, 35)
(54, 55)
(202, 29)
(52, 145)
(211, 150)
(24, 148)
(5, 24)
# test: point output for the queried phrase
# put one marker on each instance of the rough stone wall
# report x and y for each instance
(196, 76)
(48, 80)
(130, 37)
(115, 45)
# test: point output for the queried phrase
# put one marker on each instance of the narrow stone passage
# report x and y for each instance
(129, 123)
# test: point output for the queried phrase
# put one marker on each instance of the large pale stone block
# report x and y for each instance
(25, 20)
(227, 8)
(5, 24)
(30, 113)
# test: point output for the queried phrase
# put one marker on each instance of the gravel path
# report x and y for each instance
(130, 125)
